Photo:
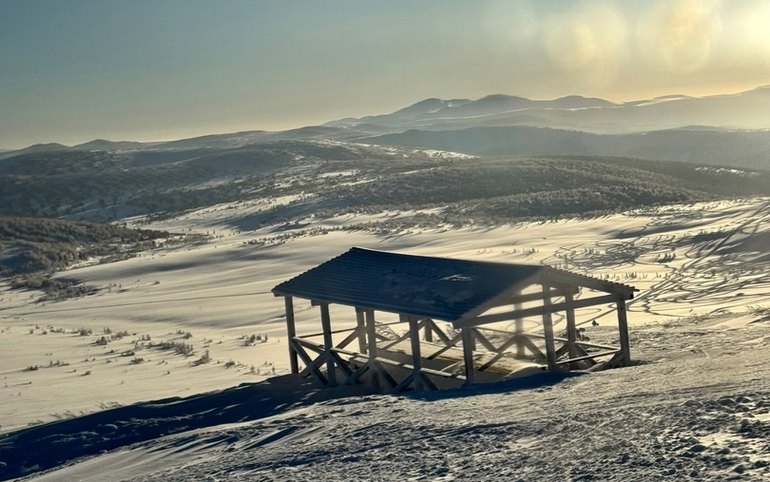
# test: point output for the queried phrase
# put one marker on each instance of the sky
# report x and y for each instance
(76, 70)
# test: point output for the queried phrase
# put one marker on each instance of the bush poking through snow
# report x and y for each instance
(205, 358)
(177, 347)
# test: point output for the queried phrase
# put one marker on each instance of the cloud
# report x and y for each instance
(588, 43)
(679, 36)
(748, 43)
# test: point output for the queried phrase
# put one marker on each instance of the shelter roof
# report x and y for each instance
(441, 288)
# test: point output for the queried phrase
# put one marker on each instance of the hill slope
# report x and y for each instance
(743, 149)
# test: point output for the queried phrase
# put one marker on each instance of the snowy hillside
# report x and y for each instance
(181, 321)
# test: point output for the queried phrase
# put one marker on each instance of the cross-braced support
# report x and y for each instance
(427, 355)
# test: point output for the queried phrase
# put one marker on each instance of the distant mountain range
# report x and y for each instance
(746, 110)
(730, 130)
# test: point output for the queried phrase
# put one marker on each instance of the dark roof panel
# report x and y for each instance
(441, 288)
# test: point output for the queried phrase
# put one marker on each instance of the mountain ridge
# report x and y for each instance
(747, 110)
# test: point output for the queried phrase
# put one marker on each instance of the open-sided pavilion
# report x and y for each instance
(465, 319)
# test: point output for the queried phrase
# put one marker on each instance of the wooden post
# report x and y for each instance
(520, 349)
(291, 333)
(550, 349)
(371, 333)
(361, 329)
(414, 335)
(467, 334)
(428, 331)
(571, 329)
(625, 348)
(326, 325)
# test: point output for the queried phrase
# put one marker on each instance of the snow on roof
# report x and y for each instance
(440, 288)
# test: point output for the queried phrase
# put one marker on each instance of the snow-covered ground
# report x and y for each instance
(696, 405)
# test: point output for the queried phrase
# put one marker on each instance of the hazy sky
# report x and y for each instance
(75, 70)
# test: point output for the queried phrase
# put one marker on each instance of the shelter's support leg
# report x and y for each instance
(414, 335)
(361, 329)
(328, 344)
(550, 350)
(392, 343)
(571, 330)
(467, 335)
(625, 348)
(291, 333)
(428, 330)
(371, 333)
(519, 330)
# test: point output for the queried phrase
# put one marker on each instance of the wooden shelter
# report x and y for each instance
(464, 320)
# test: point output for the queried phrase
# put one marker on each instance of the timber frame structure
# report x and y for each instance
(453, 311)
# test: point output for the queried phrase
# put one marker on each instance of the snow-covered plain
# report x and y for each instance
(696, 405)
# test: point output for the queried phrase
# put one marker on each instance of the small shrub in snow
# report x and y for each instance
(176, 346)
(205, 358)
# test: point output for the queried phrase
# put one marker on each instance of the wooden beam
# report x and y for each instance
(428, 330)
(414, 335)
(550, 351)
(437, 331)
(478, 336)
(535, 311)
(536, 352)
(625, 348)
(577, 343)
(316, 347)
(371, 332)
(426, 381)
(291, 332)
(361, 328)
(519, 329)
(348, 339)
(326, 325)
(310, 364)
(340, 362)
(554, 293)
(406, 366)
(454, 341)
(406, 382)
(619, 290)
(467, 335)
(588, 356)
(501, 352)
(384, 375)
(571, 330)
(402, 337)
